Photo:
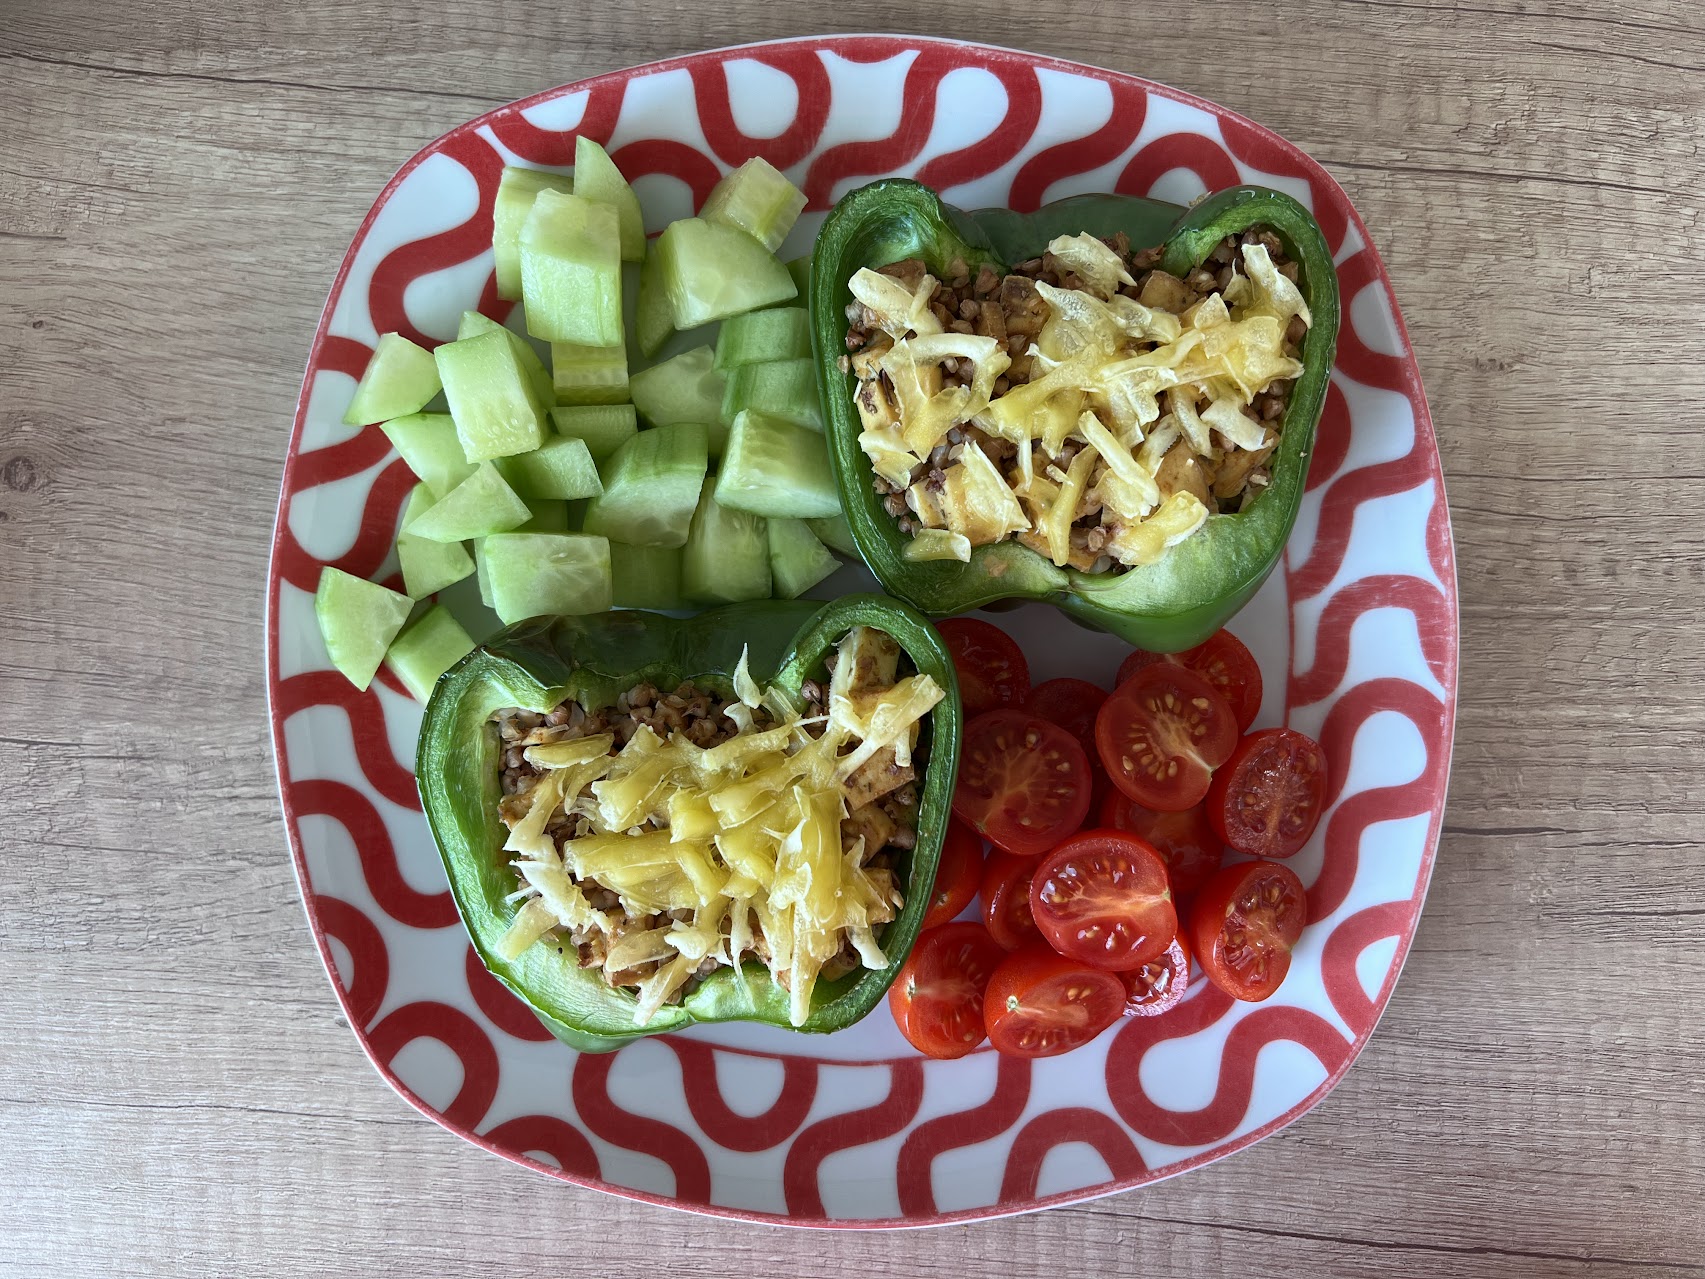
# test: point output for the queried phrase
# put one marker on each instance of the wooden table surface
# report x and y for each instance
(178, 1094)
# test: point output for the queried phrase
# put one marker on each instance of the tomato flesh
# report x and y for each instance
(990, 665)
(1222, 660)
(1041, 1004)
(1186, 841)
(1244, 924)
(1102, 899)
(1159, 985)
(1023, 783)
(1005, 891)
(1268, 797)
(1072, 704)
(1162, 735)
(957, 875)
(937, 999)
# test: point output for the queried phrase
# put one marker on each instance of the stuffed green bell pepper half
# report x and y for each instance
(1109, 404)
(652, 821)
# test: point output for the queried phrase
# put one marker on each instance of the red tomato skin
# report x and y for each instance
(1249, 915)
(991, 667)
(1159, 986)
(1173, 729)
(1041, 1004)
(1005, 893)
(1267, 799)
(1070, 703)
(957, 875)
(940, 988)
(1224, 661)
(1024, 784)
(1102, 898)
(1186, 841)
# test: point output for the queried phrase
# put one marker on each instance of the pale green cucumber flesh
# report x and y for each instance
(589, 374)
(651, 486)
(400, 378)
(358, 620)
(800, 270)
(491, 397)
(428, 444)
(760, 337)
(515, 192)
(426, 648)
(773, 468)
(645, 576)
(687, 388)
(549, 516)
(782, 388)
(604, 427)
(539, 574)
(798, 561)
(428, 566)
(558, 468)
(712, 271)
(571, 270)
(759, 200)
(654, 320)
(835, 533)
(597, 178)
(481, 504)
(473, 324)
(727, 555)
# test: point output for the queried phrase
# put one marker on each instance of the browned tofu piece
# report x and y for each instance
(876, 777)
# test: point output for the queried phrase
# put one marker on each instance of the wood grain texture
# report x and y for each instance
(178, 1094)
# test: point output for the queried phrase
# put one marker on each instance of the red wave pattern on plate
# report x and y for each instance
(1018, 1146)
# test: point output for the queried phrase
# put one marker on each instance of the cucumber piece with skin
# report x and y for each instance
(800, 270)
(798, 561)
(603, 427)
(535, 574)
(358, 620)
(712, 271)
(651, 487)
(654, 319)
(758, 199)
(646, 576)
(482, 575)
(561, 469)
(473, 324)
(428, 566)
(571, 270)
(774, 468)
(547, 517)
(687, 388)
(597, 178)
(516, 190)
(491, 397)
(426, 648)
(835, 533)
(400, 378)
(428, 443)
(761, 337)
(589, 374)
(727, 555)
(481, 504)
(782, 388)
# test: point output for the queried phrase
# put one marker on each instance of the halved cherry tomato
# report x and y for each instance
(1070, 703)
(1023, 782)
(1267, 798)
(937, 1000)
(957, 874)
(1158, 985)
(1005, 891)
(1185, 841)
(1224, 662)
(1244, 924)
(990, 665)
(1041, 1004)
(1162, 735)
(1102, 899)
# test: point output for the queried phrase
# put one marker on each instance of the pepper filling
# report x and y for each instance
(673, 834)
(1089, 405)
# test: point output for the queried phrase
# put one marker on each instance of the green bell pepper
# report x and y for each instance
(1195, 588)
(538, 664)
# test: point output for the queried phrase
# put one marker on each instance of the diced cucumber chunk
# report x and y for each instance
(645, 576)
(571, 270)
(589, 374)
(491, 397)
(535, 574)
(399, 380)
(547, 517)
(727, 556)
(798, 561)
(482, 574)
(784, 388)
(757, 198)
(516, 190)
(428, 566)
(428, 443)
(473, 324)
(687, 388)
(759, 337)
(773, 468)
(654, 319)
(651, 485)
(800, 270)
(597, 178)
(358, 620)
(604, 427)
(835, 533)
(712, 271)
(481, 504)
(559, 468)
(426, 648)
